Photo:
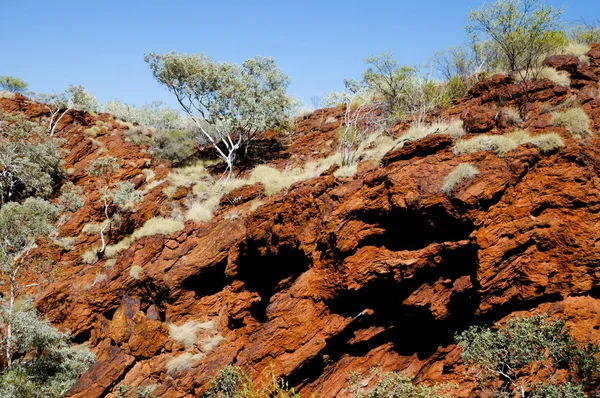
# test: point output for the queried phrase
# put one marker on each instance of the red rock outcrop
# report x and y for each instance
(342, 274)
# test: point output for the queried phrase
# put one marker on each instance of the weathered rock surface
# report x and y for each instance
(343, 274)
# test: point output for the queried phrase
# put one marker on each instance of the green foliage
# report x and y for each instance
(21, 224)
(81, 100)
(175, 146)
(394, 385)
(30, 162)
(229, 103)
(13, 84)
(534, 345)
(51, 365)
(126, 391)
(231, 382)
(103, 167)
(386, 79)
(585, 33)
(71, 198)
(523, 31)
(155, 115)
(124, 196)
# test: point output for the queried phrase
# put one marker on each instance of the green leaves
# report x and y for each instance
(51, 365)
(22, 224)
(533, 345)
(12, 84)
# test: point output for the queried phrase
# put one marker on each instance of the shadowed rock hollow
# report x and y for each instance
(339, 274)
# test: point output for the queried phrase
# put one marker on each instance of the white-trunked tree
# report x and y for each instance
(229, 103)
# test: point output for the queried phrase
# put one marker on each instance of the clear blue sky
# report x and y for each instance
(101, 44)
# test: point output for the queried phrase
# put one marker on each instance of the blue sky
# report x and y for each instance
(101, 44)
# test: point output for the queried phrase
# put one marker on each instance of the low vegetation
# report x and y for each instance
(503, 144)
(500, 358)
(575, 120)
(462, 172)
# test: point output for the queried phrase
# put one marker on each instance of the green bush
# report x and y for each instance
(585, 33)
(30, 162)
(13, 84)
(48, 365)
(231, 382)
(175, 146)
(511, 350)
(395, 385)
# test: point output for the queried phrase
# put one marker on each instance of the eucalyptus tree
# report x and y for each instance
(228, 103)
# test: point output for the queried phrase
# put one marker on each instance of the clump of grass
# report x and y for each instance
(135, 271)
(419, 130)
(110, 251)
(183, 362)
(575, 120)
(578, 50)
(502, 144)
(304, 112)
(92, 131)
(91, 228)
(90, 257)
(345, 171)
(512, 116)
(561, 78)
(7, 95)
(255, 205)
(187, 334)
(202, 211)
(330, 120)
(186, 176)
(462, 172)
(99, 278)
(158, 226)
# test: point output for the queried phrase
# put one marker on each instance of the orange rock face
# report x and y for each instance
(341, 274)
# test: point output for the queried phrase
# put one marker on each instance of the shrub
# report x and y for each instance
(231, 382)
(126, 391)
(503, 144)
(47, 365)
(524, 33)
(585, 33)
(71, 198)
(395, 385)
(522, 345)
(12, 84)
(462, 172)
(30, 161)
(175, 146)
(523, 30)
(575, 120)
(155, 115)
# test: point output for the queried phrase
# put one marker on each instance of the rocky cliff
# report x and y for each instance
(337, 274)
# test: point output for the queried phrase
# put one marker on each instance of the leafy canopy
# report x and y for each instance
(524, 31)
(247, 98)
(13, 84)
(533, 346)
